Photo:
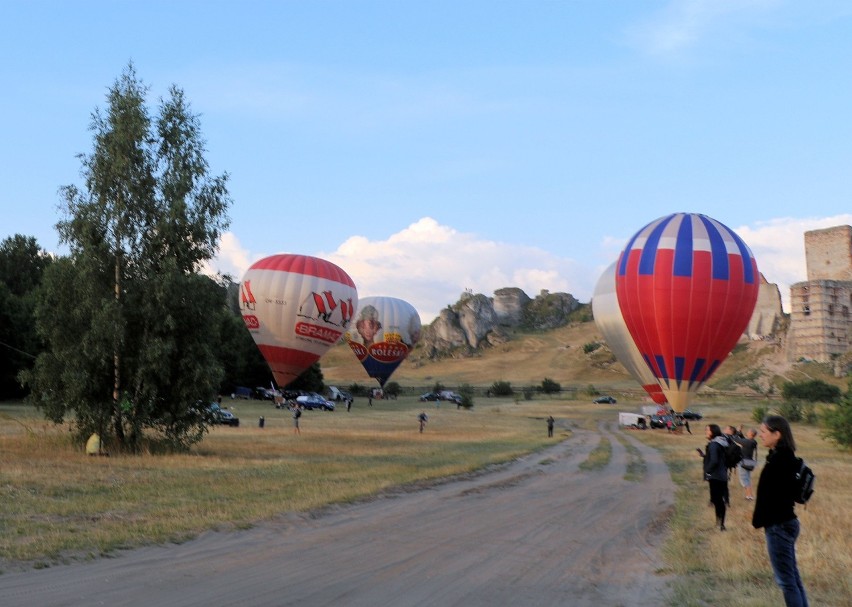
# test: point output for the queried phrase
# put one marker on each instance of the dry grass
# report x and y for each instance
(732, 568)
(58, 503)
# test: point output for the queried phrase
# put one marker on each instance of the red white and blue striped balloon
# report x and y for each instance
(687, 286)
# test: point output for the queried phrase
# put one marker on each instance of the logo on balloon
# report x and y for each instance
(322, 306)
(247, 297)
(251, 321)
(388, 352)
(329, 336)
(359, 350)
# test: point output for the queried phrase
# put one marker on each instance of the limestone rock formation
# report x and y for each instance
(477, 321)
(766, 319)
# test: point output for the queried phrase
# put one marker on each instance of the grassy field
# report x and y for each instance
(59, 504)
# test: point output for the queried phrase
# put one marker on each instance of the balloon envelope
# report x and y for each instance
(296, 307)
(610, 322)
(686, 285)
(384, 331)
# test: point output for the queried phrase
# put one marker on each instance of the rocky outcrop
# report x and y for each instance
(477, 321)
(767, 318)
(509, 306)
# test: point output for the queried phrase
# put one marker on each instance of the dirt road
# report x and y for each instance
(537, 532)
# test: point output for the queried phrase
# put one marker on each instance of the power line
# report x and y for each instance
(3, 343)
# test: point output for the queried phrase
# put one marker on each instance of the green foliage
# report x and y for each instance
(311, 380)
(393, 389)
(590, 347)
(814, 390)
(583, 313)
(466, 392)
(837, 420)
(791, 410)
(357, 389)
(758, 414)
(548, 386)
(501, 388)
(132, 330)
(438, 387)
(528, 392)
(592, 391)
(22, 265)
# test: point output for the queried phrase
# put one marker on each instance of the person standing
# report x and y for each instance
(749, 460)
(422, 418)
(550, 422)
(715, 471)
(774, 509)
(297, 413)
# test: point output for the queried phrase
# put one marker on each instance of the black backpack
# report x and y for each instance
(805, 481)
(733, 453)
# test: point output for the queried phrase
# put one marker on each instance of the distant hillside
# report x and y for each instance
(526, 358)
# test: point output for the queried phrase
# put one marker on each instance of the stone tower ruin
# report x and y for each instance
(819, 316)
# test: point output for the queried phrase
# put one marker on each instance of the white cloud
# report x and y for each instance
(684, 23)
(431, 265)
(779, 247)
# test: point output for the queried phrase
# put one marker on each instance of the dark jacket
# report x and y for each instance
(714, 460)
(776, 489)
(748, 445)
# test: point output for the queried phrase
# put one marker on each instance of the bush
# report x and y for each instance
(548, 386)
(758, 414)
(791, 410)
(438, 387)
(466, 392)
(814, 391)
(528, 392)
(501, 388)
(838, 423)
(358, 390)
(590, 347)
(392, 389)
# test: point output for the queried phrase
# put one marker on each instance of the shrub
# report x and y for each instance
(590, 347)
(791, 410)
(501, 388)
(358, 390)
(392, 389)
(814, 391)
(528, 392)
(438, 387)
(466, 392)
(759, 413)
(548, 386)
(838, 423)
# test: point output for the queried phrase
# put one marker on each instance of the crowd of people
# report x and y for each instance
(774, 500)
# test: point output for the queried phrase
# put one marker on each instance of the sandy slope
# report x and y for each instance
(536, 532)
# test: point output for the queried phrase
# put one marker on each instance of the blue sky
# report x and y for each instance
(433, 147)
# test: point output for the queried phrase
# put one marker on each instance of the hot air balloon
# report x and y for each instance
(686, 286)
(610, 322)
(296, 307)
(385, 330)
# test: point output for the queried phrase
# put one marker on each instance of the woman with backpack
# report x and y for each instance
(716, 471)
(774, 510)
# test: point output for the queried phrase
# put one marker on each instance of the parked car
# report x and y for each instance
(608, 400)
(429, 396)
(218, 415)
(659, 421)
(315, 401)
(689, 414)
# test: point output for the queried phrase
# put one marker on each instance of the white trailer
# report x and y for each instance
(630, 419)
